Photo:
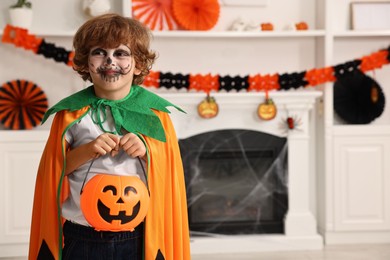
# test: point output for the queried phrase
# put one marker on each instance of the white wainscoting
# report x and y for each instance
(20, 152)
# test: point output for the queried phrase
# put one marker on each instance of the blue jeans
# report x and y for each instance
(83, 243)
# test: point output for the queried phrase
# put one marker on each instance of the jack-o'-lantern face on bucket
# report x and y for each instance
(114, 203)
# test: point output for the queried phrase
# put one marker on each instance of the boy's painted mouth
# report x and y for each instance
(109, 75)
(110, 72)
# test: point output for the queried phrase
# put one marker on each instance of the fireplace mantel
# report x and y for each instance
(239, 111)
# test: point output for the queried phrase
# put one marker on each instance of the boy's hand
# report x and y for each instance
(105, 143)
(132, 145)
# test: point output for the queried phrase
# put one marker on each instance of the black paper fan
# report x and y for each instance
(22, 104)
(358, 99)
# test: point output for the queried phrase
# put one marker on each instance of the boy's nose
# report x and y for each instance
(109, 60)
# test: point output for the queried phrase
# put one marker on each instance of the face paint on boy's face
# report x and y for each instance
(110, 64)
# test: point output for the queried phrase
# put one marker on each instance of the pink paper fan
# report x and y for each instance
(156, 14)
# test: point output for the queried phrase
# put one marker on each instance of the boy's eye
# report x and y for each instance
(121, 53)
(98, 51)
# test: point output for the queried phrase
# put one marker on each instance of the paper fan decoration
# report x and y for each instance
(22, 104)
(358, 99)
(200, 15)
(156, 14)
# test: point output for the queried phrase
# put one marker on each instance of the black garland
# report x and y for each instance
(169, 80)
(50, 51)
(348, 68)
(293, 80)
(237, 83)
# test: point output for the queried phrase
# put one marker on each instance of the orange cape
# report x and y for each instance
(166, 224)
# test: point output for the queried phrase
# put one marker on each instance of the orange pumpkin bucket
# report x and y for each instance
(114, 203)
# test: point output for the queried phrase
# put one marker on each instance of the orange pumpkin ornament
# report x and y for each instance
(301, 26)
(267, 27)
(114, 203)
(267, 110)
(208, 108)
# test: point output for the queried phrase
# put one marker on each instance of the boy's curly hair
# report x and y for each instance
(110, 31)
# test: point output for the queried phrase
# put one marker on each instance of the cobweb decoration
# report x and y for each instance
(156, 14)
(236, 182)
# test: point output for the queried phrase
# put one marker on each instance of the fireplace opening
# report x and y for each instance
(236, 182)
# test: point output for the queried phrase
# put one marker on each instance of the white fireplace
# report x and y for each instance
(239, 111)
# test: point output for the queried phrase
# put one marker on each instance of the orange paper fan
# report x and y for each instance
(156, 14)
(22, 104)
(196, 14)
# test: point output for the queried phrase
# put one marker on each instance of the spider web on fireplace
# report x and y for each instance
(236, 182)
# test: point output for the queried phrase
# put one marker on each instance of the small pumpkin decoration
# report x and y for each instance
(267, 110)
(208, 108)
(301, 26)
(267, 27)
(114, 203)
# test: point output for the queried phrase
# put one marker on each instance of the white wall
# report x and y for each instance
(224, 56)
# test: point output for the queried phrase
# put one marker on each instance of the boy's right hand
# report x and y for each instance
(105, 143)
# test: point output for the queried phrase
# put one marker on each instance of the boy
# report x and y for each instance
(114, 128)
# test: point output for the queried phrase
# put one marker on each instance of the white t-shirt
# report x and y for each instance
(84, 132)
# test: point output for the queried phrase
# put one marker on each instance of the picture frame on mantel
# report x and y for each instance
(244, 2)
(370, 15)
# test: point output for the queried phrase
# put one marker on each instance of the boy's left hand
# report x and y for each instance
(132, 145)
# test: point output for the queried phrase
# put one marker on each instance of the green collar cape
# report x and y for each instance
(136, 108)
